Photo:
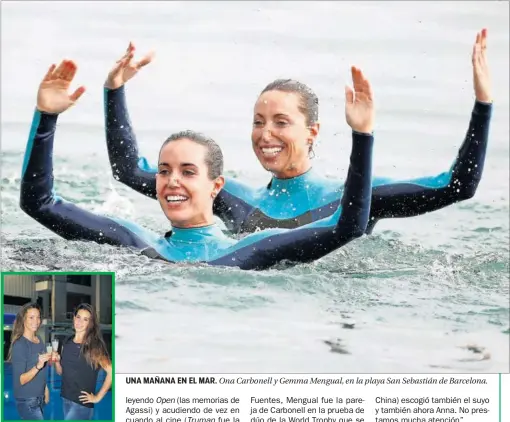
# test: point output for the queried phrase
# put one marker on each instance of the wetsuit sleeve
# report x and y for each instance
(409, 198)
(313, 241)
(127, 166)
(38, 199)
(232, 203)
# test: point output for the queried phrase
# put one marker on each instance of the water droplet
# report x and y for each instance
(122, 126)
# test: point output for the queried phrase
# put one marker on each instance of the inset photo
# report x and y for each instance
(58, 346)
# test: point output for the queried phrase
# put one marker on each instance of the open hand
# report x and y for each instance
(53, 96)
(125, 68)
(481, 76)
(88, 398)
(359, 103)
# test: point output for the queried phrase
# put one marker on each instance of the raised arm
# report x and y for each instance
(408, 198)
(126, 164)
(231, 204)
(37, 196)
(315, 240)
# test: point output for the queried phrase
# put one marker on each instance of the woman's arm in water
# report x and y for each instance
(38, 199)
(313, 241)
(407, 198)
(232, 203)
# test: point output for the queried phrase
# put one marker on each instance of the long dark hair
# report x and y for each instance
(19, 324)
(93, 346)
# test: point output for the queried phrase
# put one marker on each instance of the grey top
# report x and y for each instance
(25, 355)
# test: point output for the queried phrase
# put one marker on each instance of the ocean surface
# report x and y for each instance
(424, 294)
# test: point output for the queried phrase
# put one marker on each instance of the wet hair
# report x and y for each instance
(214, 155)
(19, 324)
(308, 104)
(93, 346)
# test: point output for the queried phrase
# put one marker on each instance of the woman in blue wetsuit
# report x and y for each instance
(188, 180)
(285, 127)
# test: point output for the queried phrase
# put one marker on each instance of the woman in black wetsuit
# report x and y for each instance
(285, 127)
(80, 359)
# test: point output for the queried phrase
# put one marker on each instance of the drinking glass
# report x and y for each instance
(49, 350)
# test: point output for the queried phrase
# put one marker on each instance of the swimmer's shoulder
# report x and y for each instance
(239, 189)
(324, 189)
(148, 236)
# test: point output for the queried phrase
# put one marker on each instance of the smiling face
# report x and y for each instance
(184, 188)
(81, 321)
(281, 136)
(32, 321)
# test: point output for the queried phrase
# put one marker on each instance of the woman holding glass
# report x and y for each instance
(79, 362)
(28, 356)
